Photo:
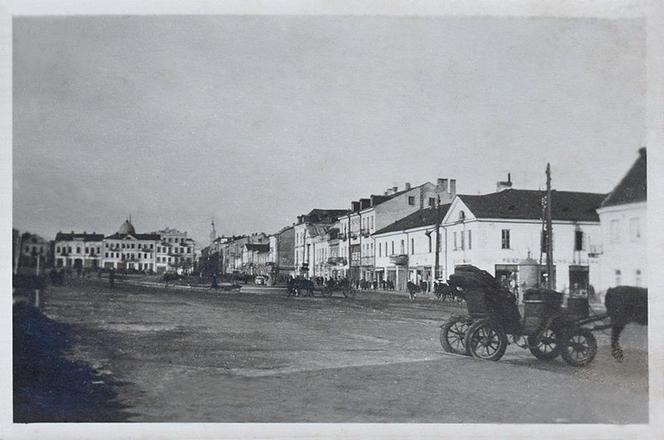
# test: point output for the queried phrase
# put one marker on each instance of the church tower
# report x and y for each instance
(213, 233)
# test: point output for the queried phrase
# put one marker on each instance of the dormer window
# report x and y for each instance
(462, 216)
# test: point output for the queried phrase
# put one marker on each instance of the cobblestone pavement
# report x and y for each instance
(185, 355)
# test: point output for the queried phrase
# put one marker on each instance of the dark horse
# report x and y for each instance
(625, 304)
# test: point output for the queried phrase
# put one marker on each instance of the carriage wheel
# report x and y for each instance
(453, 335)
(547, 347)
(485, 340)
(579, 347)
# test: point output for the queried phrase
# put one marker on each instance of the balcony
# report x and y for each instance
(367, 261)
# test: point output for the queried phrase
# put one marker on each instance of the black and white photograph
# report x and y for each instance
(283, 219)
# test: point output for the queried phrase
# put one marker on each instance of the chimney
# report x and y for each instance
(365, 203)
(642, 151)
(355, 206)
(442, 185)
(407, 186)
(453, 187)
(395, 189)
(502, 185)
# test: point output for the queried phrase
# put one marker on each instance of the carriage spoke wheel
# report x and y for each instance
(579, 347)
(453, 335)
(547, 347)
(485, 340)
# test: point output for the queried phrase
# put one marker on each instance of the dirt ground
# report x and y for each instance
(187, 355)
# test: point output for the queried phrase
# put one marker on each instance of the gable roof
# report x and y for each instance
(527, 205)
(633, 187)
(423, 217)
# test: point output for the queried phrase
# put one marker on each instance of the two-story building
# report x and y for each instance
(406, 249)
(78, 250)
(32, 248)
(623, 220)
(502, 233)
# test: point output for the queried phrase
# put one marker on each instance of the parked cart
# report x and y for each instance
(546, 328)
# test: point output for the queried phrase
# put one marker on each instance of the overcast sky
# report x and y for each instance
(253, 120)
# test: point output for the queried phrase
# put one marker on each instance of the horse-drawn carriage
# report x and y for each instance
(546, 328)
(306, 287)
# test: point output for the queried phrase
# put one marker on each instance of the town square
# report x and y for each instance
(331, 219)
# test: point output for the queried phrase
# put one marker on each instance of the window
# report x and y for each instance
(380, 249)
(432, 201)
(618, 277)
(578, 240)
(392, 247)
(412, 246)
(57, 249)
(634, 229)
(78, 250)
(106, 255)
(638, 278)
(614, 231)
(470, 239)
(463, 239)
(402, 248)
(505, 239)
(87, 250)
(455, 240)
(429, 237)
(411, 200)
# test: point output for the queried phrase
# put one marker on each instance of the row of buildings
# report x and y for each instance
(161, 251)
(421, 233)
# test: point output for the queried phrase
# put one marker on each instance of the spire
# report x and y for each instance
(213, 232)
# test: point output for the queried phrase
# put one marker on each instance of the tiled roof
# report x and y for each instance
(423, 217)
(62, 236)
(527, 205)
(633, 187)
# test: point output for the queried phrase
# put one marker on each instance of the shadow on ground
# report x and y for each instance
(48, 387)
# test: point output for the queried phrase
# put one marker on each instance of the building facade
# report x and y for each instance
(309, 230)
(502, 233)
(379, 211)
(406, 249)
(623, 220)
(78, 250)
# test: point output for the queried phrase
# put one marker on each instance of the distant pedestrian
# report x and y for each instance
(214, 284)
(111, 278)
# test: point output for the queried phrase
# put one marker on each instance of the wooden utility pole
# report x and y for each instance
(549, 231)
(436, 270)
(350, 254)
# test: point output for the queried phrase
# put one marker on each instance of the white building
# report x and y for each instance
(623, 219)
(127, 250)
(307, 230)
(379, 211)
(78, 250)
(502, 234)
(406, 249)
(175, 252)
